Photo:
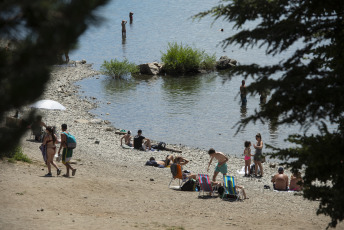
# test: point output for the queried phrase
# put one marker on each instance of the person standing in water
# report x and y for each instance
(243, 93)
(131, 17)
(124, 31)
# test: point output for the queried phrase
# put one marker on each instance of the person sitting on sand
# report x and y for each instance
(37, 128)
(222, 162)
(280, 180)
(140, 142)
(127, 139)
(294, 182)
(183, 161)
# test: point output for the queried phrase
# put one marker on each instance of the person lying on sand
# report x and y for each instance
(162, 163)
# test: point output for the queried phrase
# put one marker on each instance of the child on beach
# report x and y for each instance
(221, 165)
(248, 155)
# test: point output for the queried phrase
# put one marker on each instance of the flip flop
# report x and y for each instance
(73, 172)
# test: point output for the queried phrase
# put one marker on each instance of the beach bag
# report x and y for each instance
(71, 141)
(252, 168)
(221, 190)
(190, 185)
(161, 145)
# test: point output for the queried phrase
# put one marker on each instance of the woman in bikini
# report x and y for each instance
(50, 141)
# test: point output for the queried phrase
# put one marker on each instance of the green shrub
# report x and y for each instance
(115, 68)
(209, 62)
(185, 59)
(18, 155)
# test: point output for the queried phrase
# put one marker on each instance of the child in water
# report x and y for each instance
(247, 154)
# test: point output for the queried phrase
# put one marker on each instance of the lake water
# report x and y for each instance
(198, 111)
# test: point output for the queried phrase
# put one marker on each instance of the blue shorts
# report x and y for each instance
(222, 169)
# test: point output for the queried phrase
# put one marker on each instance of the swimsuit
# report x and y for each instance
(246, 156)
(222, 169)
(258, 155)
(67, 155)
(50, 146)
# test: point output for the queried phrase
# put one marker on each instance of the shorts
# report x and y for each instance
(222, 169)
(67, 155)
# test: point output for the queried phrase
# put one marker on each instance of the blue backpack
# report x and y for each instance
(71, 141)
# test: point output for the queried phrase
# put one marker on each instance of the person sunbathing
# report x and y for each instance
(294, 180)
(183, 161)
(168, 161)
(162, 163)
(280, 180)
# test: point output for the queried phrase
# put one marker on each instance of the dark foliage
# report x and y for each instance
(306, 87)
(37, 33)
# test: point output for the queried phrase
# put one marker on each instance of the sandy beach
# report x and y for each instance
(112, 189)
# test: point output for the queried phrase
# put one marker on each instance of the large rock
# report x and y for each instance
(225, 63)
(150, 68)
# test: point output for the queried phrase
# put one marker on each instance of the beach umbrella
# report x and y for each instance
(48, 104)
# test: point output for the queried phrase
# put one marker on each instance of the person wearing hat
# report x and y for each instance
(280, 180)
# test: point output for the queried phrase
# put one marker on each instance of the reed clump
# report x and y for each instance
(116, 68)
(183, 59)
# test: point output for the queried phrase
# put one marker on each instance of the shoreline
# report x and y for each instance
(120, 191)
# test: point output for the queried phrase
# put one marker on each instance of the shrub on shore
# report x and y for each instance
(115, 68)
(17, 155)
(185, 59)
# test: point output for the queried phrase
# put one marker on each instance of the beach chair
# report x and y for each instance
(205, 185)
(231, 192)
(177, 174)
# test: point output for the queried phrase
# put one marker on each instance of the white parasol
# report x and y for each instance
(48, 104)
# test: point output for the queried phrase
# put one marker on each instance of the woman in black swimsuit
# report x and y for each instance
(258, 155)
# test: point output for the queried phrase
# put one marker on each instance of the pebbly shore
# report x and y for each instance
(113, 187)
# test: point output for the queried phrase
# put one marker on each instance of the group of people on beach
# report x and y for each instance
(48, 148)
(281, 181)
(257, 157)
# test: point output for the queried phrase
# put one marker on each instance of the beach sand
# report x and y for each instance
(112, 189)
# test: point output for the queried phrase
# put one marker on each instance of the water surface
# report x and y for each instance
(199, 111)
